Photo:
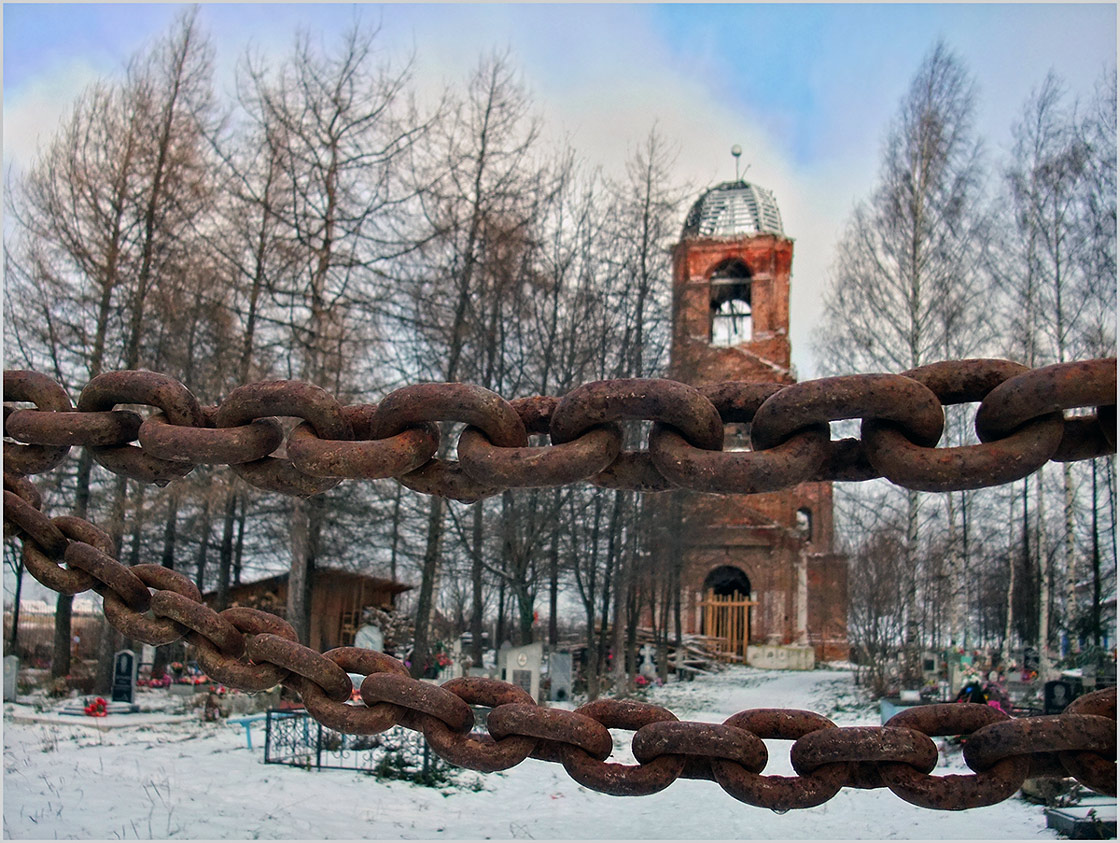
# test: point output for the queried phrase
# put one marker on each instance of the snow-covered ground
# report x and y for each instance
(189, 779)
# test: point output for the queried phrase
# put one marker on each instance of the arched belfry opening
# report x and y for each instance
(730, 297)
(726, 611)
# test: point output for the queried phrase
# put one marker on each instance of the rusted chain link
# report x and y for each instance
(1019, 422)
(253, 650)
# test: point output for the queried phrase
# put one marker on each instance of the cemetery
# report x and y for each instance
(296, 794)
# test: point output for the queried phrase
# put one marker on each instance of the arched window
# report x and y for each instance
(730, 313)
(805, 523)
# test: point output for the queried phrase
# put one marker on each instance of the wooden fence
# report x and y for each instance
(727, 624)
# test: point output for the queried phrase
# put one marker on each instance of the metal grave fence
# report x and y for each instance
(296, 739)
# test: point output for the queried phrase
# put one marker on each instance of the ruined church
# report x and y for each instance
(758, 571)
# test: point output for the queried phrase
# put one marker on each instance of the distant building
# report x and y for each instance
(769, 556)
(35, 641)
(337, 600)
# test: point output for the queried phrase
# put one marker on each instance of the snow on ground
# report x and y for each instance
(195, 780)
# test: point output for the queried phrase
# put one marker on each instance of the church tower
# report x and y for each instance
(731, 289)
(766, 556)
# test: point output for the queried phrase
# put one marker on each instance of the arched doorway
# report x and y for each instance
(726, 612)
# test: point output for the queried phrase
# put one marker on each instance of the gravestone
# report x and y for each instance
(647, 668)
(11, 672)
(522, 667)
(956, 673)
(500, 658)
(369, 637)
(560, 675)
(780, 657)
(147, 660)
(124, 676)
(1030, 659)
(1056, 695)
(455, 669)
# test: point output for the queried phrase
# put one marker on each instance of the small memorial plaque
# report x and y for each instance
(1056, 695)
(522, 666)
(523, 679)
(124, 676)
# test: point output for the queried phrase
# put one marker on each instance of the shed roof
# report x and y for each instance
(391, 586)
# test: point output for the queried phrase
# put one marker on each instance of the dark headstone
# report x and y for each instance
(1030, 658)
(124, 676)
(1056, 695)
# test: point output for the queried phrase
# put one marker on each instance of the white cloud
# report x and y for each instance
(32, 115)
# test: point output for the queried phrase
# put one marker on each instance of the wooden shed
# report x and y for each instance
(337, 600)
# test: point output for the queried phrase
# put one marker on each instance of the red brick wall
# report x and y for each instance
(828, 616)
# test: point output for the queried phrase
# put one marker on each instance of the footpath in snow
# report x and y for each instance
(194, 780)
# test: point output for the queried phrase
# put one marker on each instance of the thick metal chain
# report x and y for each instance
(254, 650)
(1019, 423)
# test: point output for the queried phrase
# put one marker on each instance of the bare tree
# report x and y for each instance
(335, 132)
(905, 289)
(100, 227)
(483, 194)
(646, 214)
(1062, 236)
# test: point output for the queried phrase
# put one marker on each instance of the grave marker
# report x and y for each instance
(370, 637)
(647, 668)
(522, 667)
(11, 672)
(560, 676)
(124, 676)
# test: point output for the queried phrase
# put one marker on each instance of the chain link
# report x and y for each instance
(1019, 423)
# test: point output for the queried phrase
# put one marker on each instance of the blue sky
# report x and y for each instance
(806, 89)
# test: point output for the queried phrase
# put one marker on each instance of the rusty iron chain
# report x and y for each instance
(1019, 423)
(254, 650)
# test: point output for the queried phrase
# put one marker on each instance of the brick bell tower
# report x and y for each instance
(731, 285)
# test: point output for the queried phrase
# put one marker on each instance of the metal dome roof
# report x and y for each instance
(733, 209)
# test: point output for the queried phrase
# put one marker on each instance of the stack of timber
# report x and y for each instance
(698, 654)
